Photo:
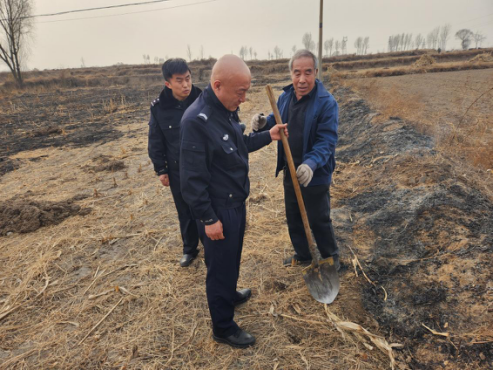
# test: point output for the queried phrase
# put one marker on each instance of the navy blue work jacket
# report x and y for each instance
(320, 132)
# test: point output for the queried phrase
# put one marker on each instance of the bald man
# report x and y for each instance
(215, 184)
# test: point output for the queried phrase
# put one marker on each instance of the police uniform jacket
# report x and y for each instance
(164, 128)
(214, 157)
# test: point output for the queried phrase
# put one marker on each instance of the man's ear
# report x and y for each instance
(216, 85)
(317, 71)
(167, 84)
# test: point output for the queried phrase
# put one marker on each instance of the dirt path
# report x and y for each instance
(421, 231)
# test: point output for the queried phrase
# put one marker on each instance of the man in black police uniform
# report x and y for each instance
(164, 144)
(215, 184)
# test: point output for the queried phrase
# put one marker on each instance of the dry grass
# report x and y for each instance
(104, 291)
(465, 134)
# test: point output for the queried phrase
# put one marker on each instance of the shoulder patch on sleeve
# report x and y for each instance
(205, 113)
(155, 101)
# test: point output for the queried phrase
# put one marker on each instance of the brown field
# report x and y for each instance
(89, 241)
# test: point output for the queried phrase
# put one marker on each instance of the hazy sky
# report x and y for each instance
(106, 37)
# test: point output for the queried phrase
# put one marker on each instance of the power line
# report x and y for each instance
(142, 11)
(92, 9)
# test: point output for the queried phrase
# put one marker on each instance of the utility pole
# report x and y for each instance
(320, 42)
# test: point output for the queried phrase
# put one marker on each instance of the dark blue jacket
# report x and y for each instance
(164, 129)
(320, 132)
(214, 160)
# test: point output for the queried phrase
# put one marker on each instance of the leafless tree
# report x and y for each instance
(83, 64)
(294, 49)
(189, 53)
(435, 37)
(243, 52)
(419, 39)
(15, 28)
(478, 38)
(465, 36)
(255, 54)
(202, 52)
(443, 36)
(344, 40)
(307, 41)
(337, 47)
(359, 42)
(269, 55)
(278, 53)
(429, 40)
(250, 52)
(366, 45)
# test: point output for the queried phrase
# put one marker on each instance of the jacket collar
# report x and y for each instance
(167, 100)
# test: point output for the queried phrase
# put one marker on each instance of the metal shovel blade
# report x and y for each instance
(322, 281)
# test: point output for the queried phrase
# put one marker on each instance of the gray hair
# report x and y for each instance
(304, 53)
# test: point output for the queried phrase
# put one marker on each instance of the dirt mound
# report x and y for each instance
(425, 235)
(424, 60)
(25, 216)
(485, 57)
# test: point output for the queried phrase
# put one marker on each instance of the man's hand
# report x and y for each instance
(304, 174)
(215, 231)
(258, 121)
(275, 131)
(165, 180)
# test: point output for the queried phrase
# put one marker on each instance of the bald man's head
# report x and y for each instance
(230, 80)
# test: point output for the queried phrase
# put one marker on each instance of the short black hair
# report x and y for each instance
(173, 66)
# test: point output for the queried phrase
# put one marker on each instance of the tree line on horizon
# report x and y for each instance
(16, 27)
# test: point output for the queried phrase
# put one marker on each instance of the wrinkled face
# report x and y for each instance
(180, 84)
(233, 91)
(303, 76)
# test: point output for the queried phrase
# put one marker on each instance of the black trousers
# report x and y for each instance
(223, 267)
(188, 226)
(317, 205)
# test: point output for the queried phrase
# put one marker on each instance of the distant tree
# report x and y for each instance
(307, 41)
(326, 47)
(429, 40)
(15, 27)
(202, 52)
(269, 55)
(435, 37)
(478, 38)
(444, 35)
(250, 52)
(465, 37)
(161, 61)
(83, 64)
(255, 54)
(330, 44)
(344, 41)
(294, 49)
(189, 53)
(156, 59)
(366, 45)
(243, 52)
(337, 47)
(359, 42)
(419, 39)
(278, 53)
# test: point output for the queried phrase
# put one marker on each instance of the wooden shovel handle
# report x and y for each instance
(293, 174)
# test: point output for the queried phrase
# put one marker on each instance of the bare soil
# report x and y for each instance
(100, 286)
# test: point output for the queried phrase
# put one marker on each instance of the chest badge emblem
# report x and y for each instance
(225, 138)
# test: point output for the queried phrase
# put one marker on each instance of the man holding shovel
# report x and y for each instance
(215, 184)
(312, 116)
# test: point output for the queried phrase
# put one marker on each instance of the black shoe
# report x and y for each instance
(242, 296)
(241, 339)
(187, 259)
(294, 261)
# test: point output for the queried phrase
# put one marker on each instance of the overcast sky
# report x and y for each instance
(106, 37)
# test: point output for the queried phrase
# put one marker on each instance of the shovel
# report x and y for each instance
(321, 276)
